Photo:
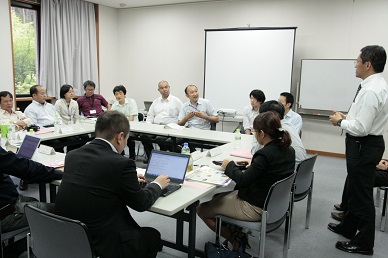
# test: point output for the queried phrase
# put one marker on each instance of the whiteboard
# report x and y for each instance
(238, 61)
(327, 84)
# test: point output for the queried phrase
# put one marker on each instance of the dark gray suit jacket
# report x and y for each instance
(97, 186)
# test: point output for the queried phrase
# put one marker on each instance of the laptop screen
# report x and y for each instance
(28, 147)
(172, 164)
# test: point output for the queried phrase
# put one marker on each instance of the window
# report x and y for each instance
(25, 36)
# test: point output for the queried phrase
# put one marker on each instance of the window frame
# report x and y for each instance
(35, 6)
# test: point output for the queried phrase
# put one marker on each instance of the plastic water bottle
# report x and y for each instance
(186, 150)
(237, 139)
(82, 121)
(11, 131)
(4, 130)
(56, 123)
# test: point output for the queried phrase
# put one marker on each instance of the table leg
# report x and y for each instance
(42, 192)
(53, 193)
(192, 228)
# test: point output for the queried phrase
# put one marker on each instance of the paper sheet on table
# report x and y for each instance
(197, 185)
(209, 175)
(45, 130)
(242, 152)
(54, 164)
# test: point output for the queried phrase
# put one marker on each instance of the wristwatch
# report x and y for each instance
(339, 122)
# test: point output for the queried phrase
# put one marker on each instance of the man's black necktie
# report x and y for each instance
(358, 90)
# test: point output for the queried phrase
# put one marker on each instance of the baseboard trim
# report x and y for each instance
(325, 153)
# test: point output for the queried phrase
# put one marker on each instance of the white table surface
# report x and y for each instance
(77, 130)
(181, 198)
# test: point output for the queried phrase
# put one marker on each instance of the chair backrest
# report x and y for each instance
(140, 116)
(278, 199)
(304, 174)
(147, 105)
(56, 236)
(213, 126)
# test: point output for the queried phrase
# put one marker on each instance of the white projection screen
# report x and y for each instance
(238, 61)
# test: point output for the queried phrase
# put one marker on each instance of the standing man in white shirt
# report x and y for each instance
(197, 112)
(163, 110)
(287, 100)
(250, 112)
(41, 113)
(364, 126)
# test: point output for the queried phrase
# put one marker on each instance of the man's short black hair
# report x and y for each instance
(111, 123)
(89, 83)
(4, 94)
(375, 55)
(34, 89)
(272, 105)
(289, 98)
(191, 85)
(120, 88)
(258, 95)
(64, 89)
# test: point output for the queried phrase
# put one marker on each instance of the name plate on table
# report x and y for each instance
(46, 149)
(214, 152)
(9, 146)
(66, 129)
(196, 155)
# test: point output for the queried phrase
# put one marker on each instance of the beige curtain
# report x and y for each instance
(68, 45)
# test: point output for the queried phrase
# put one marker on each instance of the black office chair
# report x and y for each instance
(140, 116)
(276, 211)
(203, 145)
(8, 237)
(384, 208)
(55, 236)
(304, 182)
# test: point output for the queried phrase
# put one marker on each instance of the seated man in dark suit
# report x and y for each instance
(15, 165)
(381, 179)
(99, 184)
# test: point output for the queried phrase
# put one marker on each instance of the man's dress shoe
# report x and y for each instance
(338, 207)
(350, 247)
(338, 215)
(336, 229)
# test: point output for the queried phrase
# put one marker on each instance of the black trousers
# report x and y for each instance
(362, 156)
(381, 179)
(18, 219)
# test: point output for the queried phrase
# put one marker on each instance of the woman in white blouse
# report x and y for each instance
(66, 107)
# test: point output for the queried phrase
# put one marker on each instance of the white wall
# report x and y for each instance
(109, 52)
(167, 42)
(6, 73)
(141, 46)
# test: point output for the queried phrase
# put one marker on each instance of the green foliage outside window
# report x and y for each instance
(24, 48)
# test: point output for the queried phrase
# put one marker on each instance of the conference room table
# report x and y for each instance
(182, 204)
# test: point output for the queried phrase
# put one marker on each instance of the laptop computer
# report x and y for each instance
(169, 163)
(29, 146)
